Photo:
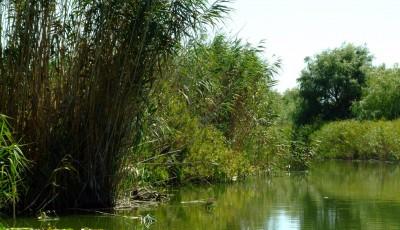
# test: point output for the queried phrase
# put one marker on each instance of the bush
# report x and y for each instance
(178, 148)
(358, 140)
(213, 116)
(210, 158)
(381, 97)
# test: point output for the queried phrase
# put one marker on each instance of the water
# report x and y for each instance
(332, 195)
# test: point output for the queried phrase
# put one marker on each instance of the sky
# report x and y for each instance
(294, 29)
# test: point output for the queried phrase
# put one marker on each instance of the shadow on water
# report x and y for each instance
(331, 195)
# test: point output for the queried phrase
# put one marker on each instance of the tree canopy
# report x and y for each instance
(331, 81)
(381, 96)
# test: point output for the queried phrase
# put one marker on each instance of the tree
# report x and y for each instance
(331, 82)
(381, 96)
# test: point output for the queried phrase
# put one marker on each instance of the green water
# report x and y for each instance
(332, 195)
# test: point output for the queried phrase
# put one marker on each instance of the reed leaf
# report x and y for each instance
(13, 165)
(76, 75)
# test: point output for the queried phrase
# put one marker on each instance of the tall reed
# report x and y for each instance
(13, 164)
(76, 75)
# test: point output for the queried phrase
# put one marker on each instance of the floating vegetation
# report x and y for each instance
(142, 197)
(147, 194)
(147, 220)
(49, 215)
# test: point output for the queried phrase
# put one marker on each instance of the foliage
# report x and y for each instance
(227, 82)
(358, 140)
(381, 96)
(331, 82)
(213, 116)
(76, 76)
(230, 89)
(299, 156)
(13, 165)
(178, 148)
(291, 103)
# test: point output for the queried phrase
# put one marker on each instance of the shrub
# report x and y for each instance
(213, 115)
(352, 139)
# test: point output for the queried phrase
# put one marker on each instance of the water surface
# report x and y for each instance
(331, 195)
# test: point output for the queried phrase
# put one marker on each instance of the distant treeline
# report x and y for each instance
(340, 95)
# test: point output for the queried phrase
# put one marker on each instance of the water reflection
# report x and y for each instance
(332, 195)
(281, 220)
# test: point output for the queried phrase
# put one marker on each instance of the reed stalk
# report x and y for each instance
(75, 76)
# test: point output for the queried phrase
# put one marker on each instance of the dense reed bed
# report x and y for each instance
(75, 78)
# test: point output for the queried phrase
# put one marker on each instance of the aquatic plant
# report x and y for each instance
(75, 76)
(13, 165)
(212, 117)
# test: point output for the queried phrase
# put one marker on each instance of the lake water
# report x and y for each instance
(331, 195)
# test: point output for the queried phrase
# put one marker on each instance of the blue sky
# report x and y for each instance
(294, 29)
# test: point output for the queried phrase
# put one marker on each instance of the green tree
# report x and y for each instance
(381, 96)
(331, 82)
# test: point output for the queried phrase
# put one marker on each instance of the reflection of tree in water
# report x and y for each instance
(356, 196)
